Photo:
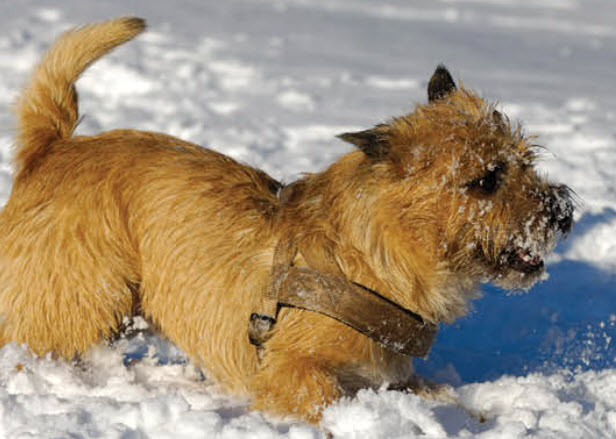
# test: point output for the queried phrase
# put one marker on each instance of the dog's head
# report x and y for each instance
(456, 181)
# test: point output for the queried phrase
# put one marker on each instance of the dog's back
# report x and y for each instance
(90, 218)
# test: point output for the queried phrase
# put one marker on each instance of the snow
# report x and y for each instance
(270, 82)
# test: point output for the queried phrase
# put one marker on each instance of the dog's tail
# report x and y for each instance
(47, 109)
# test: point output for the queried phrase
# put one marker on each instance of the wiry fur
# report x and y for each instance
(98, 224)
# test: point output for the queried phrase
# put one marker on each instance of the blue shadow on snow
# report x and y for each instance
(567, 322)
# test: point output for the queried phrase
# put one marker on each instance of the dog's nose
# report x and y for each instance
(560, 208)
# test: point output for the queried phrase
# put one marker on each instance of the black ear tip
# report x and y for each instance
(358, 138)
(441, 69)
(373, 142)
(347, 137)
(441, 74)
(441, 83)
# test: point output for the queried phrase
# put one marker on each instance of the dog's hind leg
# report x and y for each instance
(62, 316)
(61, 290)
(64, 260)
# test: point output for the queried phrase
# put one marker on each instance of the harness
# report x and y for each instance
(354, 305)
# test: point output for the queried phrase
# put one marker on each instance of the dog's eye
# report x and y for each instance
(488, 183)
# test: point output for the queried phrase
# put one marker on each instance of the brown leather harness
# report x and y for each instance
(358, 307)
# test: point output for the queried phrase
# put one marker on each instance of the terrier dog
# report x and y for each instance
(424, 209)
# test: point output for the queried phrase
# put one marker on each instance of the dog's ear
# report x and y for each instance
(373, 142)
(441, 84)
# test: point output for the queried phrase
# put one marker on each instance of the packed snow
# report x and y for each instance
(270, 82)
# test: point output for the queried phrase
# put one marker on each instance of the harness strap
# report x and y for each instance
(360, 308)
(262, 321)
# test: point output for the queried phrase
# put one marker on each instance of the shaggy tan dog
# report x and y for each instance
(427, 206)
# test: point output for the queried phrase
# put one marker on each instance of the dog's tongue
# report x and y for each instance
(529, 258)
(525, 261)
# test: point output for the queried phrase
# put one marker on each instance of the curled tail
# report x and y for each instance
(47, 109)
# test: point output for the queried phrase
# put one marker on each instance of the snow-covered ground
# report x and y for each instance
(270, 82)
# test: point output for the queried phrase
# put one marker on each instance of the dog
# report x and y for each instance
(423, 209)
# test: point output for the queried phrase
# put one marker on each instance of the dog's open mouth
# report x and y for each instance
(523, 260)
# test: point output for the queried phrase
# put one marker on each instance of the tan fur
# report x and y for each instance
(96, 223)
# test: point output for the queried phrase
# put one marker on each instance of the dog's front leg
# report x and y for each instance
(292, 383)
(427, 389)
